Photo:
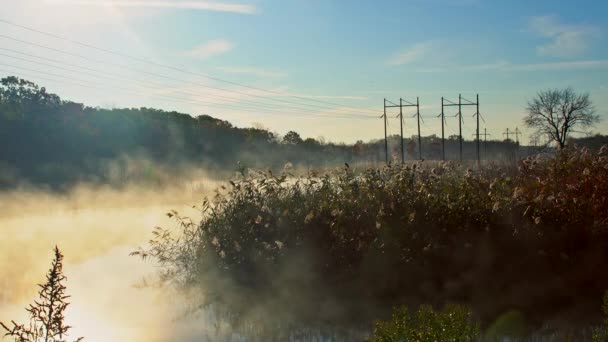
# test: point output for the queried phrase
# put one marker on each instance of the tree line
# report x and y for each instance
(48, 140)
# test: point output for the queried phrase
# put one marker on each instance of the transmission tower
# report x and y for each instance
(460, 121)
(400, 116)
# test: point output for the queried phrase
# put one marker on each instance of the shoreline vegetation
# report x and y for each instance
(425, 250)
(57, 143)
(342, 249)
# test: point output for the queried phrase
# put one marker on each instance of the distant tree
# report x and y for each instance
(359, 147)
(292, 138)
(311, 143)
(47, 313)
(558, 112)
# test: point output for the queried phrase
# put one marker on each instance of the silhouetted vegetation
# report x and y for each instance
(345, 247)
(47, 320)
(49, 141)
(558, 113)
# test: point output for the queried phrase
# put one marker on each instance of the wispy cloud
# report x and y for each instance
(209, 49)
(330, 97)
(507, 66)
(175, 4)
(573, 65)
(412, 54)
(564, 40)
(254, 71)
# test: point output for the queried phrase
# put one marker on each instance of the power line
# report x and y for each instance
(147, 84)
(87, 84)
(141, 60)
(154, 74)
(166, 77)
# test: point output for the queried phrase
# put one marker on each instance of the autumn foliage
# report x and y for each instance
(359, 243)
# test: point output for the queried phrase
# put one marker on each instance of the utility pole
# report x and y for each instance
(477, 113)
(534, 141)
(419, 137)
(385, 137)
(459, 115)
(460, 124)
(517, 133)
(401, 125)
(400, 116)
(485, 139)
(507, 133)
(442, 132)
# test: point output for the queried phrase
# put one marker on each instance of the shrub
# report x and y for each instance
(47, 313)
(510, 324)
(567, 192)
(362, 242)
(453, 323)
(601, 333)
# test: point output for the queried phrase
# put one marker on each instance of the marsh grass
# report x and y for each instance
(343, 247)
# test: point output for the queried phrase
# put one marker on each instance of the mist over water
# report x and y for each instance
(96, 227)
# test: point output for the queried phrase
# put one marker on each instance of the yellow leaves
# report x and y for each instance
(215, 241)
(309, 217)
(518, 193)
(258, 219)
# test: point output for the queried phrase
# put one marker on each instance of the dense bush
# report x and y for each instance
(454, 324)
(346, 246)
(601, 333)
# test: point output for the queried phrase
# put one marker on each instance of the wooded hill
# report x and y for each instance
(47, 140)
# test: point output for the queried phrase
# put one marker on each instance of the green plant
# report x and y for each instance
(600, 334)
(47, 313)
(510, 324)
(453, 323)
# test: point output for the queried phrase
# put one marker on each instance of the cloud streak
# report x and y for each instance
(408, 56)
(254, 71)
(192, 5)
(209, 49)
(565, 40)
(507, 66)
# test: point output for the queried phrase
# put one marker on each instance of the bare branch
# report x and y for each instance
(556, 112)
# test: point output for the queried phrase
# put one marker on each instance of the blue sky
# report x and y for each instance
(350, 53)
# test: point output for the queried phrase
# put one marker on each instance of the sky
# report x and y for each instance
(320, 67)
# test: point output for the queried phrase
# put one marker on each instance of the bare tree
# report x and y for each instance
(558, 112)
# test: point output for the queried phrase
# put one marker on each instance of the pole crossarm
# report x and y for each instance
(444, 103)
(393, 103)
(462, 104)
(469, 102)
(401, 106)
